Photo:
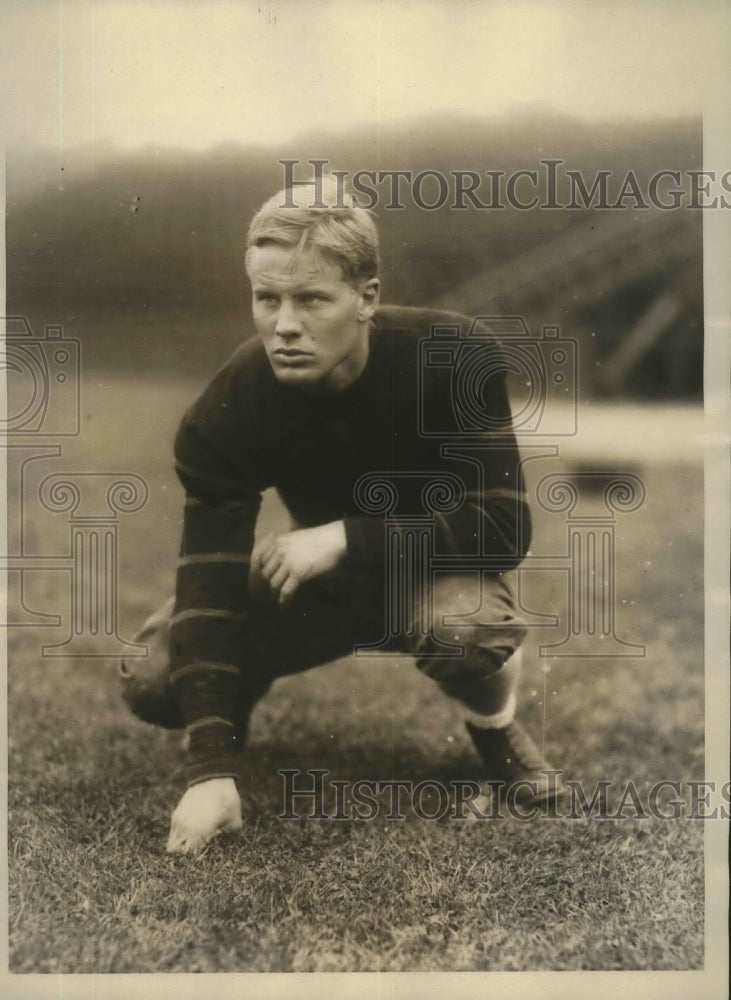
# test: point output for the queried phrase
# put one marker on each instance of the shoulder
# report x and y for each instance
(226, 408)
(414, 323)
(233, 386)
(400, 330)
(247, 367)
(418, 320)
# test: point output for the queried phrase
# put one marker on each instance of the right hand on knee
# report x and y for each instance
(205, 810)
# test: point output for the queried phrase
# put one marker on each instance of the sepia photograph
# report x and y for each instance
(365, 426)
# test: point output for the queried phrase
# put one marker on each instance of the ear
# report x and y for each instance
(370, 296)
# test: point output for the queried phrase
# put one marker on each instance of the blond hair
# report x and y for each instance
(346, 237)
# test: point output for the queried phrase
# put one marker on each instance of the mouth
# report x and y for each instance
(291, 356)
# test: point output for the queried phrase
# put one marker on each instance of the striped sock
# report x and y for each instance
(497, 721)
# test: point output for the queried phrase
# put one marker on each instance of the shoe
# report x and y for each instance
(511, 756)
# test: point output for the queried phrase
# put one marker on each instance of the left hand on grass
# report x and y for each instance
(207, 809)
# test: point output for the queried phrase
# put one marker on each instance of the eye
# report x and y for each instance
(266, 298)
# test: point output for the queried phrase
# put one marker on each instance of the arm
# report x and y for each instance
(494, 519)
(208, 632)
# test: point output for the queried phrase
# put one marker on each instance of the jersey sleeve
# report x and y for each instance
(492, 524)
(215, 460)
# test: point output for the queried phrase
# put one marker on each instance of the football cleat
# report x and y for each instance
(516, 766)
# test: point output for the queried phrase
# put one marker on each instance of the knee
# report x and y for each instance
(485, 645)
(145, 681)
(477, 652)
(476, 611)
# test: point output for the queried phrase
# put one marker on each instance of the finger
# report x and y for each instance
(288, 589)
(184, 841)
(187, 845)
(278, 578)
(262, 548)
(272, 551)
(177, 834)
(177, 840)
(270, 565)
(255, 556)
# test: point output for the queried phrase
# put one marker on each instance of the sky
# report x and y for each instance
(197, 73)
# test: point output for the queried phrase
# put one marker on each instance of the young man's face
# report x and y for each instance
(313, 323)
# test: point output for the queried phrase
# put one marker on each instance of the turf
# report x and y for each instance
(91, 788)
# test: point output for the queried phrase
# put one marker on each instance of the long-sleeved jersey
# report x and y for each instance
(403, 417)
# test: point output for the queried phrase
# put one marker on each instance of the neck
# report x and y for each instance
(350, 370)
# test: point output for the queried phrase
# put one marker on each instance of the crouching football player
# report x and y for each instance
(327, 393)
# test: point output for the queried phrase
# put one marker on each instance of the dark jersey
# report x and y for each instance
(399, 422)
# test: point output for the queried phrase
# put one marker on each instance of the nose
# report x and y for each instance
(288, 324)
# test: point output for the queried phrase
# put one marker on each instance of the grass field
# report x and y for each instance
(91, 788)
